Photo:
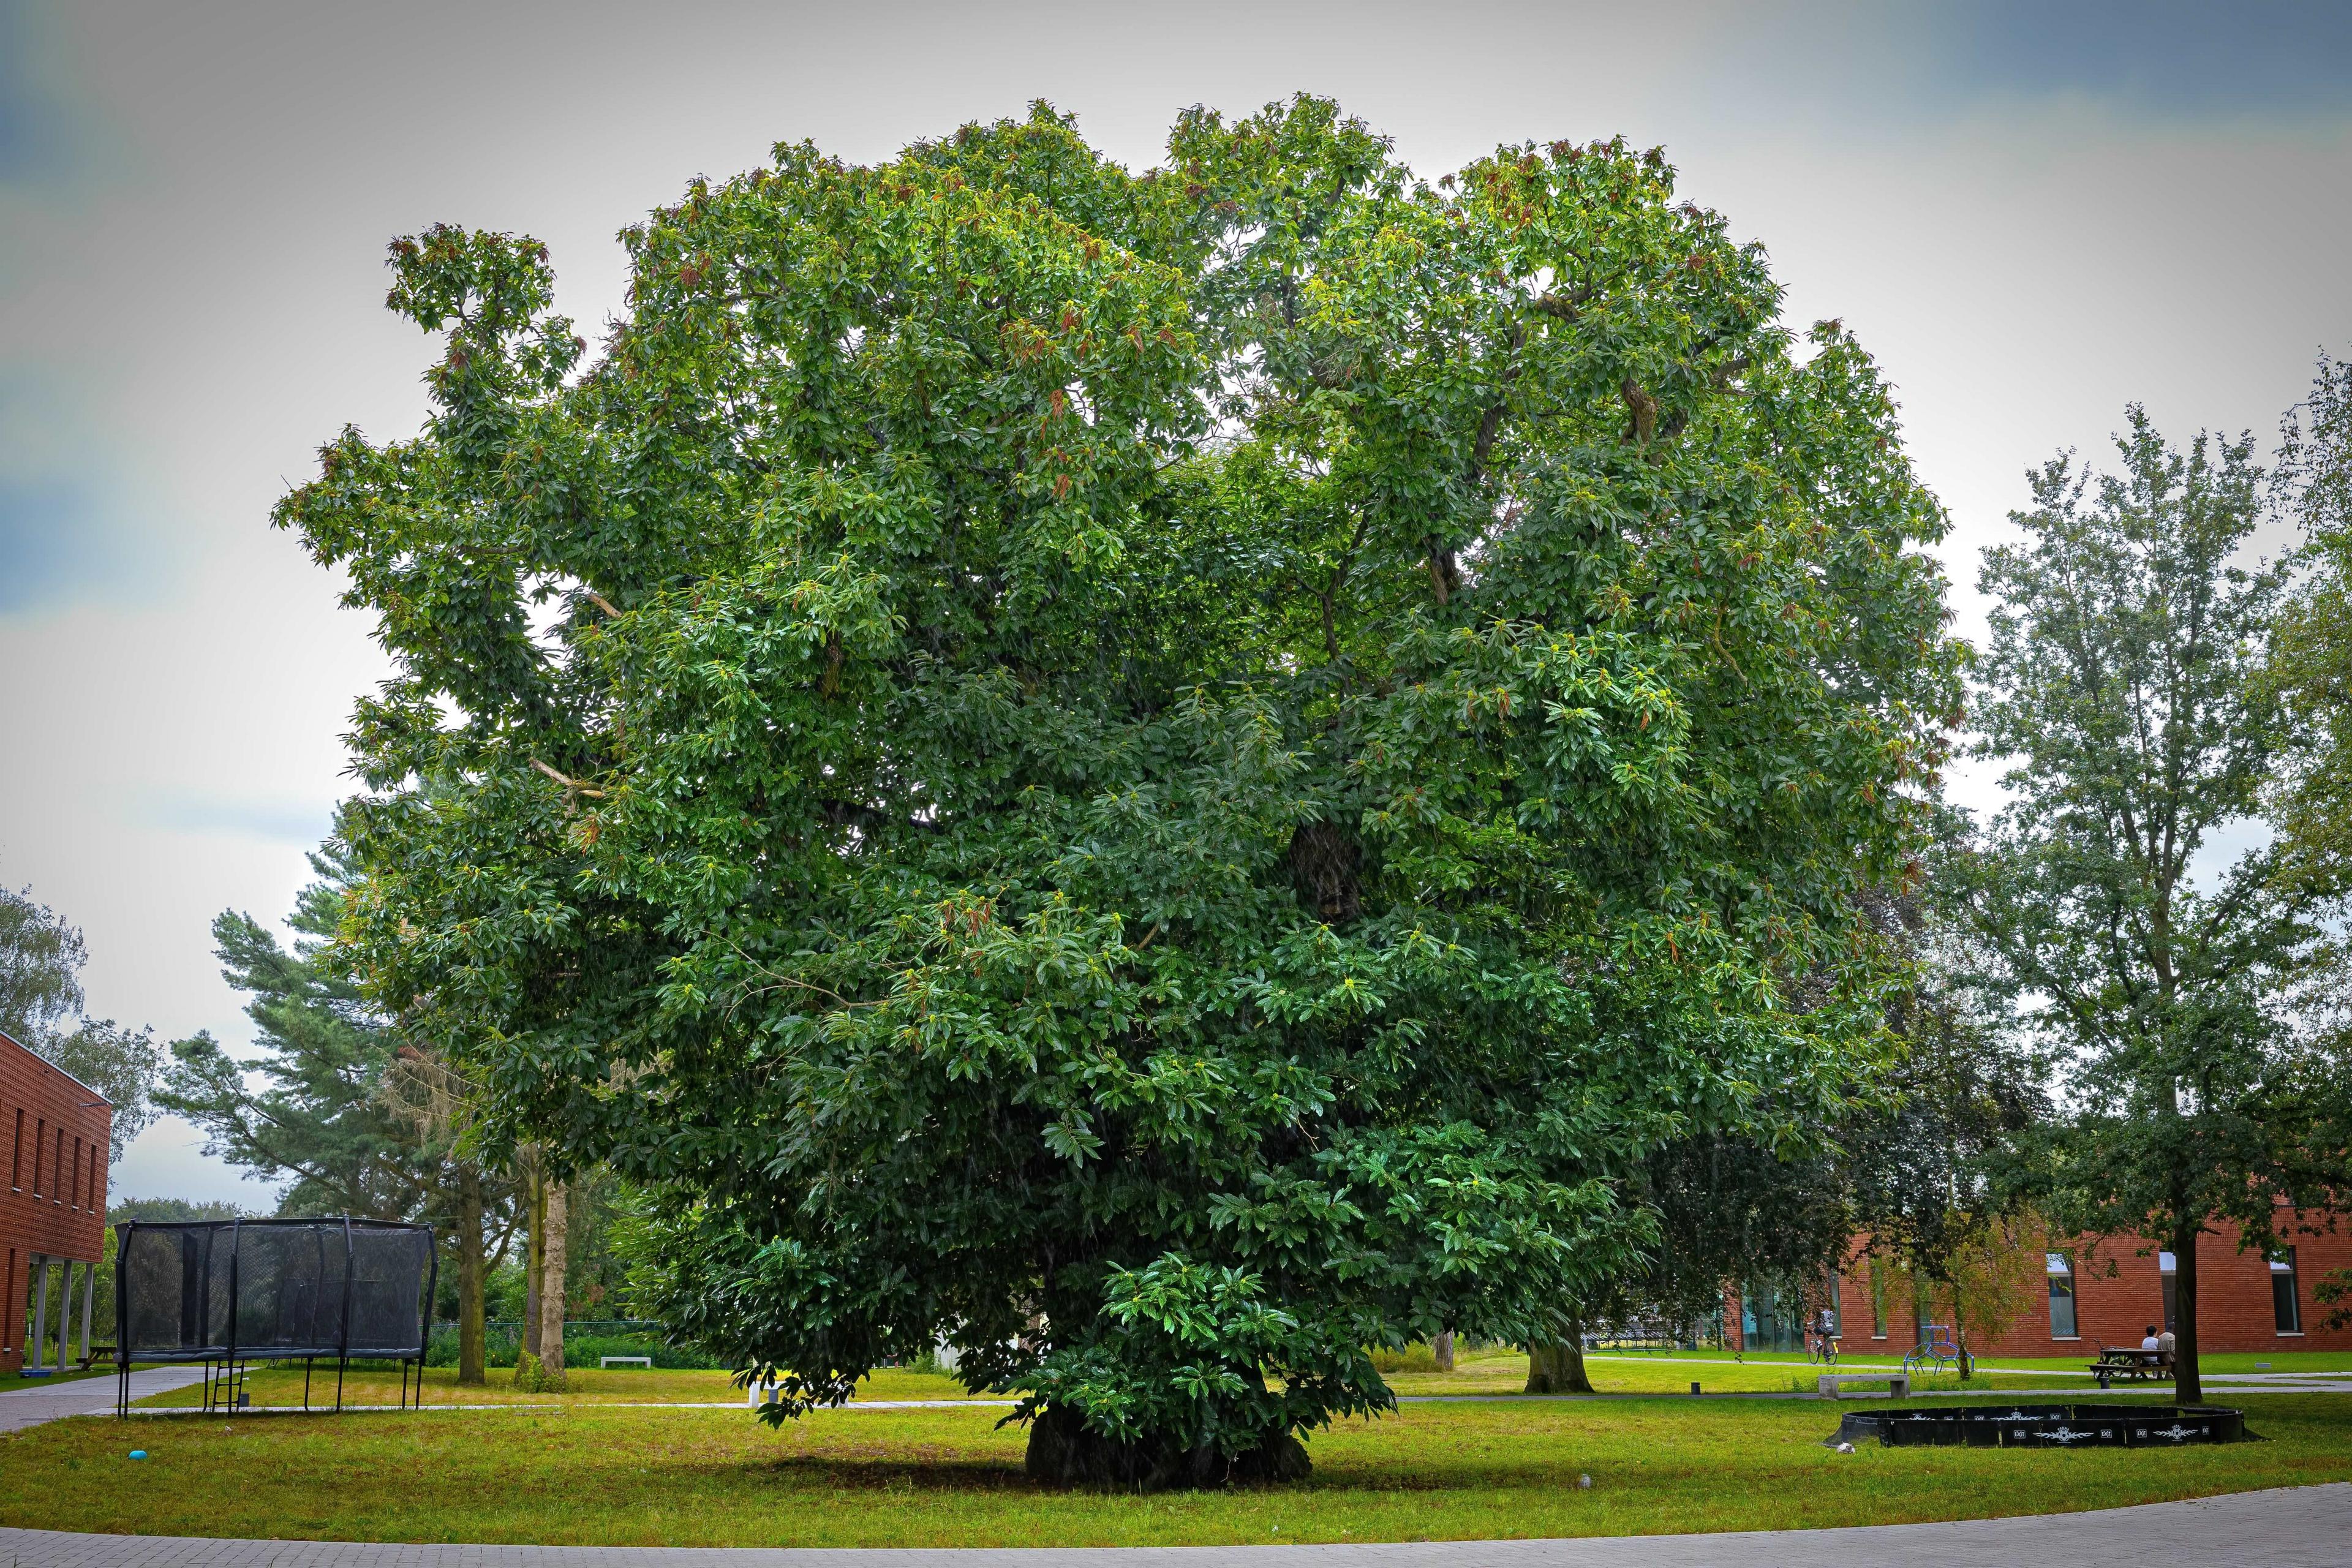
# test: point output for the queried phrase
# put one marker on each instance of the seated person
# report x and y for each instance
(2164, 1343)
(2151, 1342)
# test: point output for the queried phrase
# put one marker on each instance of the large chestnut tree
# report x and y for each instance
(1162, 777)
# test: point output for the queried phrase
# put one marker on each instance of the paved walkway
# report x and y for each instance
(38, 1401)
(2306, 1527)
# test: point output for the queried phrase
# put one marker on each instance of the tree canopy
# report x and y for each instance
(1163, 776)
(41, 959)
(2125, 683)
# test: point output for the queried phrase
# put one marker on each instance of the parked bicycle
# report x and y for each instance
(1935, 1352)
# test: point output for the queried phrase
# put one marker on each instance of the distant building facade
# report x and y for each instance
(56, 1130)
(2093, 1293)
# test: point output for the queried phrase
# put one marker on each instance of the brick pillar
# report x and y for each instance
(40, 1307)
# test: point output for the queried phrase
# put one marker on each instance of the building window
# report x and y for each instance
(76, 1173)
(57, 1171)
(16, 1154)
(2062, 1295)
(2166, 1266)
(40, 1142)
(2284, 1306)
(1877, 1299)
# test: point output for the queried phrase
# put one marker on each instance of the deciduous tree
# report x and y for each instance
(41, 958)
(1169, 777)
(2122, 685)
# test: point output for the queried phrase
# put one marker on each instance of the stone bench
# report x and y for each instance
(1833, 1383)
(644, 1361)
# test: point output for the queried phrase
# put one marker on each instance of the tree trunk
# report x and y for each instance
(1065, 1451)
(470, 1327)
(534, 1237)
(1967, 1362)
(2188, 1386)
(1441, 1349)
(550, 1291)
(1558, 1368)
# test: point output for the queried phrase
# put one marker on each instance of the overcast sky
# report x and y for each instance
(2031, 213)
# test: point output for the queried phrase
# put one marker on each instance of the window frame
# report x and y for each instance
(2292, 1298)
(2060, 1277)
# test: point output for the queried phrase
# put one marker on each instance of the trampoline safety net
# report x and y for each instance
(273, 1290)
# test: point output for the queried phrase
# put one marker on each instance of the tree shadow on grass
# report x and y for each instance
(899, 1472)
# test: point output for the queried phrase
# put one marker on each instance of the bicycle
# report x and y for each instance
(1820, 1349)
(1935, 1350)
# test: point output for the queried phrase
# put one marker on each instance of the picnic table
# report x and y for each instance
(2130, 1362)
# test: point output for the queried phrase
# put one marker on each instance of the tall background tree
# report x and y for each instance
(41, 959)
(2122, 683)
(351, 1115)
(1168, 776)
(2310, 806)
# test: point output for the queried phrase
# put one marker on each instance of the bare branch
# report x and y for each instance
(574, 785)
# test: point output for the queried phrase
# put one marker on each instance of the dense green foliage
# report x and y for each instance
(1165, 776)
(2313, 657)
(2124, 681)
(41, 958)
(2311, 672)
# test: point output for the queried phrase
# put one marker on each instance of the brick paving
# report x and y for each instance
(2303, 1527)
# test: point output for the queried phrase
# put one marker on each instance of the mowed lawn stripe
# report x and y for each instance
(615, 1475)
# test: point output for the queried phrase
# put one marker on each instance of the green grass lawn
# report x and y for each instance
(1476, 1372)
(608, 1473)
(1498, 1372)
(1506, 1372)
(281, 1386)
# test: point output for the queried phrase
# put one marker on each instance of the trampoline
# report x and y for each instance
(226, 1293)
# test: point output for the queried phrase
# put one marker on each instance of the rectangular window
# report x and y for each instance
(97, 1200)
(57, 1171)
(76, 1173)
(2284, 1306)
(16, 1154)
(2062, 1295)
(1877, 1301)
(40, 1143)
(2167, 1265)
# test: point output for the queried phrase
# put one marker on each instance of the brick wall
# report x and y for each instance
(53, 1156)
(2119, 1291)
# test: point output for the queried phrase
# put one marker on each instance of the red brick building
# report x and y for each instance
(2099, 1293)
(53, 1132)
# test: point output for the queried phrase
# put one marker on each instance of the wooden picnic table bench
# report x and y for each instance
(2129, 1361)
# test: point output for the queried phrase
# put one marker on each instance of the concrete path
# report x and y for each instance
(2304, 1527)
(38, 1401)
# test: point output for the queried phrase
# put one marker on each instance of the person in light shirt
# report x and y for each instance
(2164, 1342)
(2151, 1342)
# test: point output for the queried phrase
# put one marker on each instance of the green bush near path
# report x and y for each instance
(589, 1474)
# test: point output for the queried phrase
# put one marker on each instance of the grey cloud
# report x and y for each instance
(2261, 59)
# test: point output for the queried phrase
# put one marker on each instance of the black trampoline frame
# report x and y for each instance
(226, 1363)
